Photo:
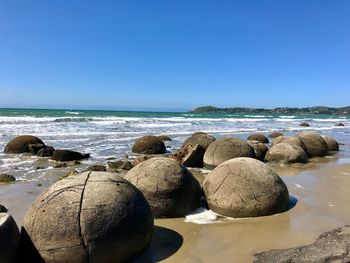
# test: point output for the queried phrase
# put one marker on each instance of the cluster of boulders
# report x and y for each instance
(35, 146)
(72, 221)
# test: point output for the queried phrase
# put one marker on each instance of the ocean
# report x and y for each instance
(106, 134)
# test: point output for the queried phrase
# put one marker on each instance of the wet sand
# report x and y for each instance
(322, 190)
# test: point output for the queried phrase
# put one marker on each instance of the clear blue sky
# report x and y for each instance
(174, 54)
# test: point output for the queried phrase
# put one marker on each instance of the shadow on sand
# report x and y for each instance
(165, 242)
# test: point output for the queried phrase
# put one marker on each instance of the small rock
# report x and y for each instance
(39, 184)
(193, 156)
(7, 178)
(97, 168)
(34, 148)
(125, 165)
(304, 124)
(68, 155)
(47, 151)
(260, 149)
(60, 165)
(340, 124)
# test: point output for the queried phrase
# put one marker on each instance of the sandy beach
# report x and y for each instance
(321, 189)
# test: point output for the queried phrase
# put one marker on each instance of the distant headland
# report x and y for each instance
(281, 110)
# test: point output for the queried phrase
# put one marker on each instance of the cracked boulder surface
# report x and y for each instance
(20, 144)
(170, 189)
(245, 187)
(226, 148)
(90, 217)
(200, 138)
(149, 145)
(314, 143)
(9, 239)
(332, 246)
(286, 153)
(260, 149)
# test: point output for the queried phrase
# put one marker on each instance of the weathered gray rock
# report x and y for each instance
(289, 139)
(224, 149)
(258, 137)
(90, 217)
(149, 145)
(164, 138)
(9, 239)
(68, 155)
(275, 135)
(260, 149)
(168, 186)
(332, 144)
(20, 144)
(47, 151)
(333, 246)
(3, 209)
(304, 124)
(315, 145)
(7, 178)
(245, 187)
(286, 153)
(200, 138)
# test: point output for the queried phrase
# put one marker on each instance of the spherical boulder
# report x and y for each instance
(9, 239)
(200, 138)
(260, 149)
(149, 145)
(289, 139)
(314, 143)
(286, 153)
(224, 149)
(89, 217)
(245, 187)
(275, 134)
(68, 155)
(332, 144)
(258, 137)
(170, 189)
(20, 144)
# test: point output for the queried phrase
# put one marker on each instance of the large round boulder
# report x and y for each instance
(245, 187)
(20, 144)
(314, 143)
(258, 137)
(68, 155)
(200, 138)
(226, 148)
(260, 149)
(149, 145)
(289, 139)
(89, 217)
(9, 239)
(332, 144)
(286, 153)
(170, 189)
